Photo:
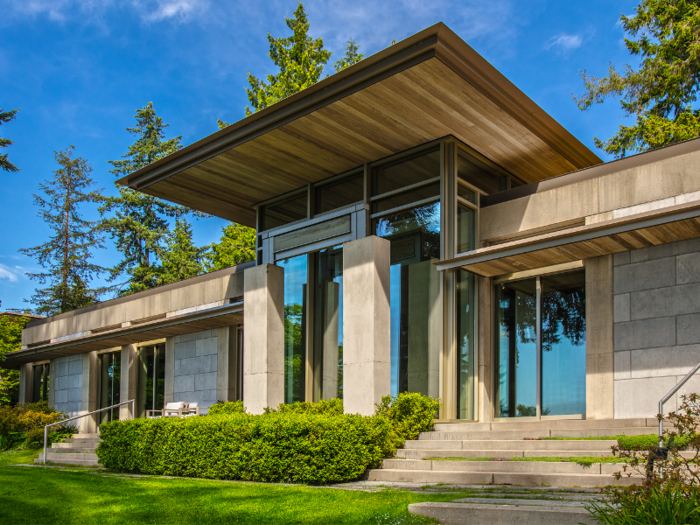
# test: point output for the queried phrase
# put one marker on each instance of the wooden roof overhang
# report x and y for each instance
(218, 317)
(662, 226)
(424, 88)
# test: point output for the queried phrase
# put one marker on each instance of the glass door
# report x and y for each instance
(110, 374)
(151, 392)
(541, 346)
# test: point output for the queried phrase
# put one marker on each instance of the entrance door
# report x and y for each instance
(110, 374)
(541, 347)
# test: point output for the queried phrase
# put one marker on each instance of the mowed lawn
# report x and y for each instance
(56, 496)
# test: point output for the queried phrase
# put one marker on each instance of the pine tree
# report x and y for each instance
(5, 117)
(140, 222)
(352, 56)
(662, 93)
(236, 246)
(10, 341)
(67, 255)
(181, 258)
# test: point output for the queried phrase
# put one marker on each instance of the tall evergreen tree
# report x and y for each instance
(5, 117)
(10, 341)
(662, 93)
(236, 246)
(181, 258)
(140, 222)
(67, 255)
(352, 56)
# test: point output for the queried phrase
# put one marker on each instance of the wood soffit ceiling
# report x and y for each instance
(424, 88)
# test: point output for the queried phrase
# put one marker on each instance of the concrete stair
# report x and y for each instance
(509, 440)
(78, 450)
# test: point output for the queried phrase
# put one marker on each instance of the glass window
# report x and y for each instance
(416, 324)
(151, 390)
(466, 342)
(328, 324)
(466, 228)
(110, 375)
(295, 281)
(402, 199)
(285, 212)
(466, 193)
(406, 171)
(40, 383)
(341, 193)
(481, 173)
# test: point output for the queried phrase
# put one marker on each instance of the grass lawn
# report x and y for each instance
(84, 496)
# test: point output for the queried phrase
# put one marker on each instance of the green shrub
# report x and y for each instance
(228, 407)
(651, 441)
(23, 425)
(274, 447)
(409, 413)
(325, 406)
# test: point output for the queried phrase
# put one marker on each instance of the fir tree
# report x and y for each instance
(181, 258)
(352, 56)
(662, 93)
(236, 246)
(140, 222)
(5, 117)
(10, 341)
(67, 255)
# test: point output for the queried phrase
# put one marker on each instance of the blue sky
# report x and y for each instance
(79, 68)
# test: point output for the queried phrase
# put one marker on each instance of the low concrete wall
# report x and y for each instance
(195, 368)
(657, 325)
(67, 386)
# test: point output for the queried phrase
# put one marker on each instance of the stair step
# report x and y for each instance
(532, 434)
(86, 436)
(83, 440)
(497, 453)
(76, 462)
(500, 514)
(66, 456)
(70, 445)
(552, 424)
(542, 467)
(511, 444)
(73, 450)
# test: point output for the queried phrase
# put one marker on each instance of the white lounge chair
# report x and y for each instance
(175, 409)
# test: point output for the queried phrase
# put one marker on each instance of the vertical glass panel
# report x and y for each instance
(406, 171)
(328, 324)
(407, 197)
(295, 281)
(481, 173)
(466, 228)
(517, 349)
(564, 344)
(341, 193)
(151, 379)
(38, 383)
(281, 213)
(416, 325)
(110, 375)
(466, 193)
(466, 342)
(239, 356)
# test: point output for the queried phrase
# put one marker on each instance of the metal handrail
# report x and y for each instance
(85, 415)
(667, 397)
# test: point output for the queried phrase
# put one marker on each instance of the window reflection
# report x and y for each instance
(110, 382)
(295, 280)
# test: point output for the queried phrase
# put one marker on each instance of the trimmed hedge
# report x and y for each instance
(409, 413)
(274, 447)
(227, 407)
(333, 407)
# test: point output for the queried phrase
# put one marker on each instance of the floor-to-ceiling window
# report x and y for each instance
(295, 319)
(151, 378)
(109, 366)
(40, 382)
(541, 346)
(406, 210)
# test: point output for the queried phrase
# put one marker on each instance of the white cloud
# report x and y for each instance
(181, 10)
(564, 42)
(11, 274)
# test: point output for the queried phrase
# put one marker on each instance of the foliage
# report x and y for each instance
(24, 424)
(274, 447)
(227, 407)
(651, 441)
(661, 94)
(331, 407)
(67, 254)
(181, 258)
(10, 341)
(352, 56)
(236, 246)
(410, 413)
(5, 117)
(140, 224)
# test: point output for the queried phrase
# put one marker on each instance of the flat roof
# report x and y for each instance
(423, 88)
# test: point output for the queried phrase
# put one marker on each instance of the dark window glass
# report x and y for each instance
(466, 193)
(406, 171)
(151, 390)
(481, 174)
(466, 343)
(295, 320)
(284, 212)
(341, 193)
(40, 383)
(110, 380)
(402, 199)
(466, 228)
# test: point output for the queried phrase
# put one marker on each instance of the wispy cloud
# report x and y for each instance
(564, 42)
(181, 10)
(11, 274)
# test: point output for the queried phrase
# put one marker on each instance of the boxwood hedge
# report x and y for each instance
(274, 447)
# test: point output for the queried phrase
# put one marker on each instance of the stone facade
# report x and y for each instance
(195, 368)
(68, 384)
(656, 325)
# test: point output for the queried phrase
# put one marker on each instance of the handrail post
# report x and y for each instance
(45, 434)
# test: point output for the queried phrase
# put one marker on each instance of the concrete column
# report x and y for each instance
(52, 382)
(128, 385)
(330, 340)
(485, 389)
(599, 338)
(169, 394)
(227, 372)
(90, 400)
(366, 324)
(263, 317)
(26, 383)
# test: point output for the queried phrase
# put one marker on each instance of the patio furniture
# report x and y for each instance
(171, 410)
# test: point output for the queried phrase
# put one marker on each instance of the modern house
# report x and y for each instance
(422, 226)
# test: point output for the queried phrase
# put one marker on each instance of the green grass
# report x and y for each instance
(583, 461)
(602, 438)
(82, 496)
(628, 442)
